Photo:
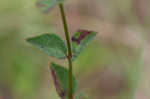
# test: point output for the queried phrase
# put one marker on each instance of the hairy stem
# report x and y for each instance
(61, 7)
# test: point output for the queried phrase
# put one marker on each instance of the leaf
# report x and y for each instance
(61, 80)
(79, 41)
(51, 44)
(46, 5)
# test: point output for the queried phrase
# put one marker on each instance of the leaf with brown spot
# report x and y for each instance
(80, 39)
(61, 80)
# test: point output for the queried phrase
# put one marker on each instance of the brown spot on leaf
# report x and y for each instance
(83, 34)
(58, 87)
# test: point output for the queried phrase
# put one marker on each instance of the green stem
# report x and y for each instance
(63, 16)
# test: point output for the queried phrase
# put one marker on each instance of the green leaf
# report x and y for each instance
(46, 5)
(79, 41)
(51, 44)
(61, 80)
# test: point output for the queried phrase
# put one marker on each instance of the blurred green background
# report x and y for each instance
(113, 66)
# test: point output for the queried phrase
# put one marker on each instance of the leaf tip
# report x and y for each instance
(28, 39)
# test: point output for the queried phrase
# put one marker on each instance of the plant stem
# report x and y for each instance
(63, 16)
